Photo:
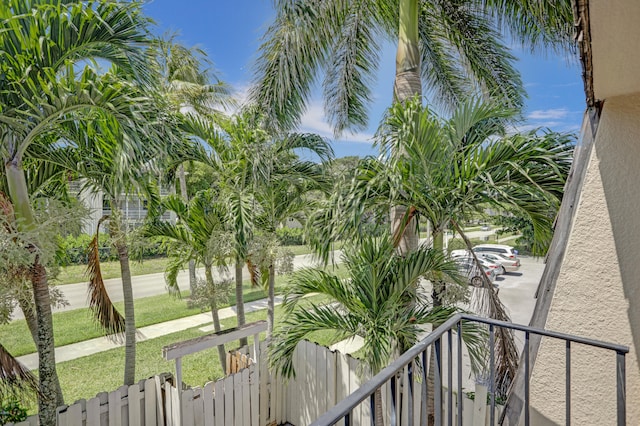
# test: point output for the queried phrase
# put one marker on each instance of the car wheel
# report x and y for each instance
(476, 281)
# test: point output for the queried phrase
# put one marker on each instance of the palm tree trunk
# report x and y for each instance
(50, 393)
(378, 407)
(271, 296)
(240, 300)
(120, 243)
(438, 244)
(407, 85)
(30, 317)
(185, 197)
(222, 354)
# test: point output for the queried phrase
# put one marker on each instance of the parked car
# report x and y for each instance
(486, 263)
(509, 265)
(485, 228)
(469, 268)
(501, 249)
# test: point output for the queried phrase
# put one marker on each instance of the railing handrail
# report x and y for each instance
(342, 408)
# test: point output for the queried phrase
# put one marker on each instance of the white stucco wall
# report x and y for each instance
(598, 289)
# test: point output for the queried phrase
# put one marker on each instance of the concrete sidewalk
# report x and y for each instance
(101, 344)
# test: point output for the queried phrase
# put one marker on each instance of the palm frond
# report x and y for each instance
(104, 312)
(16, 381)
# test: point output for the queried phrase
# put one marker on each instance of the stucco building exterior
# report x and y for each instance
(591, 285)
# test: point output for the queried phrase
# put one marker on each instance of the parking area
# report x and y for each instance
(517, 289)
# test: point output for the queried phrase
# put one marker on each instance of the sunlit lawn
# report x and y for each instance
(85, 377)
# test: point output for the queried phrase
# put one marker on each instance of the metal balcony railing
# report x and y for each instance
(342, 412)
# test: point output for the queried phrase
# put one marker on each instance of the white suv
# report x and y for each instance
(506, 251)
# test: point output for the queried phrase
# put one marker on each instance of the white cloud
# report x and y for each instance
(314, 121)
(548, 114)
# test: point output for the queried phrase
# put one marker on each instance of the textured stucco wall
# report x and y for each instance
(598, 289)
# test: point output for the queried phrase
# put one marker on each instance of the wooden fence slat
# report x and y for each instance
(219, 403)
(265, 389)
(246, 397)
(175, 405)
(417, 394)
(228, 401)
(93, 412)
(330, 366)
(150, 413)
(254, 388)
(115, 411)
(208, 402)
(159, 402)
(342, 379)
(321, 371)
(404, 384)
(186, 407)
(134, 405)
(198, 406)
(480, 406)
(238, 412)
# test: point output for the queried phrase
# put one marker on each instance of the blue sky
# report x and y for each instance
(230, 31)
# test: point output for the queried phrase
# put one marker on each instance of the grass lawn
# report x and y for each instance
(73, 274)
(77, 325)
(85, 377)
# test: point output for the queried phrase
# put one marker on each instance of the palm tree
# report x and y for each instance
(453, 47)
(261, 178)
(43, 85)
(371, 303)
(115, 164)
(200, 234)
(457, 167)
(187, 86)
(282, 184)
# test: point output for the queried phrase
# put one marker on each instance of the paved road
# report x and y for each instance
(154, 284)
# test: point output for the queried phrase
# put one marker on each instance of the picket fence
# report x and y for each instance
(254, 397)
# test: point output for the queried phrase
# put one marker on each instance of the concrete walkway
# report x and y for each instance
(101, 344)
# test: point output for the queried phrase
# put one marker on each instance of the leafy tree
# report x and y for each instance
(201, 234)
(371, 303)
(186, 83)
(452, 46)
(45, 84)
(453, 168)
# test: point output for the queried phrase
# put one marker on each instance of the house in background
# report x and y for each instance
(591, 284)
(134, 209)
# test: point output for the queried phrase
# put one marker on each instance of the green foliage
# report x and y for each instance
(290, 236)
(72, 250)
(12, 412)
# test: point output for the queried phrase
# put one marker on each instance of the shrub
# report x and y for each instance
(12, 412)
(290, 236)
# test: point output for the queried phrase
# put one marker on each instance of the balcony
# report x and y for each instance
(409, 373)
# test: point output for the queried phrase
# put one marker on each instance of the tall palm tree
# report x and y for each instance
(43, 85)
(200, 234)
(186, 83)
(371, 303)
(455, 168)
(113, 163)
(452, 46)
(282, 185)
(261, 178)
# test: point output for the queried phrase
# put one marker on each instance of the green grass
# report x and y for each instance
(73, 274)
(85, 377)
(77, 325)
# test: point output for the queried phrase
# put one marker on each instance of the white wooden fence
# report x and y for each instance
(325, 377)
(253, 397)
